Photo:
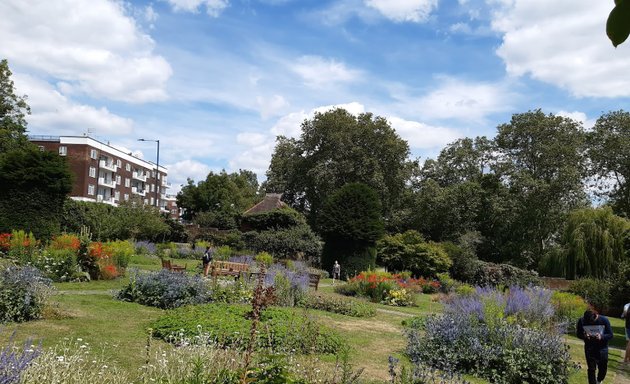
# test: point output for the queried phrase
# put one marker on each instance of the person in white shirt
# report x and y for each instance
(626, 315)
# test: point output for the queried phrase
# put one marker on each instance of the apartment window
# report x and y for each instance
(92, 172)
(128, 167)
(152, 187)
(117, 195)
(91, 190)
(151, 201)
(93, 153)
(127, 182)
(153, 174)
(146, 201)
(126, 197)
(118, 179)
(118, 163)
(63, 150)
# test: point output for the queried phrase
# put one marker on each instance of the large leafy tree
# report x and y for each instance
(608, 149)
(337, 148)
(13, 110)
(540, 158)
(218, 199)
(350, 223)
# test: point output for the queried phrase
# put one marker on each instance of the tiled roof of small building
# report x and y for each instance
(269, 203)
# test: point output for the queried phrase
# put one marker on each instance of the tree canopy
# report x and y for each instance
(13, 110)
(337, 148)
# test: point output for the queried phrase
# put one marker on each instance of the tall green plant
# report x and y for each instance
(594, 241)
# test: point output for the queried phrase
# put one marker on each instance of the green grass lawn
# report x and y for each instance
(89, 311)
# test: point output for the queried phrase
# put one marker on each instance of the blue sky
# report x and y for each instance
(216, 80)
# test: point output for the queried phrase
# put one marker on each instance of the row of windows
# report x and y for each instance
(63, 151)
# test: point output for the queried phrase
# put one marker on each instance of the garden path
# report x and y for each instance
(622, 374)
(87, 292)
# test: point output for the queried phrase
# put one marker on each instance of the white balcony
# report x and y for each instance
(165, 184)
(137, 191)
(139, 176)
(106, 183)
(108, 165)
(106, 200)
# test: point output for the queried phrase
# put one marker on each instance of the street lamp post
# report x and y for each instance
(157, 171)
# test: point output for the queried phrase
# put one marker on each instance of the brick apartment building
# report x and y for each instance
(108, 175)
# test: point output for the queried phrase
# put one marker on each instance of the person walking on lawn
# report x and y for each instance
(206, 260)
(595, 330)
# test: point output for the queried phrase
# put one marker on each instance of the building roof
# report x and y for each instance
(269, 203)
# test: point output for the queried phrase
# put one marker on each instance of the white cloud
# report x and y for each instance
(52, 112)
(251, 139)
(213, 7)
(578, 116)
(255, 158)
(457, 99)
(93, 47)
(423, 136)
(416, 11)
(271, 106)
(354, 108)
(562, 43)
(179, 172)
(318, 72)
(290, 125)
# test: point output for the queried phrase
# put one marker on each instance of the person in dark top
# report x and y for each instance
(626, 315)
(595, 330)
(206, 260)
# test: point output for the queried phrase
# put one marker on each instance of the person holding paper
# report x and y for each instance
(595, 330)
(626, 315)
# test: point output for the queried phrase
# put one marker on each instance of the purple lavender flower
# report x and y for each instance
(145, 246)
(14, 361)
(243, 259)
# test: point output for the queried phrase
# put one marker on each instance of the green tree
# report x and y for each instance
(595, 241)
(219, 199)
(618, 23)
(608, 148)
(409, 251)
(13, 110)
(350, 222)
(540, 158)
(33, 187)
(337, 148)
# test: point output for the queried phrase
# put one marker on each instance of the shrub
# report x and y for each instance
(491, 274)
(121, 252)
(290, 285)
(145, 247)
(65, 242)
(232, 238)
(596, 292)
(22, 246)
(568, 307)
(285, 243)
(463, 261)
(165, 289)
(274, 219)
(620, 286)
(501, 352)
(59, 264)
(385, 288)
(343, 306)
(282, 330)
(409, 252)
(23, 294)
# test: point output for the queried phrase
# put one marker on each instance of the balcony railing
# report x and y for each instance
(110, 166)
(137, 191)
(106, 200)
(165, 183)
(106, 183)
(139, 176)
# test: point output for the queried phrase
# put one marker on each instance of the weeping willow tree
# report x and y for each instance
(595, 242)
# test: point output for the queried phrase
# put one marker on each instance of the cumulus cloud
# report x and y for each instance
(353, 107)
(578, 116)
(318, 72)
(271, 106)
(562, 43)
(457, 99)
(97, 49)
(423, 136)
(213, 7)
(416, 11)
(180, 171)
(52, 112)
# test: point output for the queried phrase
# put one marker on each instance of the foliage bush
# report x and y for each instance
(22, 246)
(504, 337)
(59, 264)
(385, 288)
(281, 329)
(290, 284)
(285, 243)
(464, 261)
(232, 238)
(491, 274)
(121, 251)
(567, 308)
(343, 306)
(274, 219)
(596, 292)
(409, 252)
(23, 294)
(165, 289)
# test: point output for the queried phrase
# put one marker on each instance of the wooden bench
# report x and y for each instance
(166, 264)
(228, 268)
(313, 280)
